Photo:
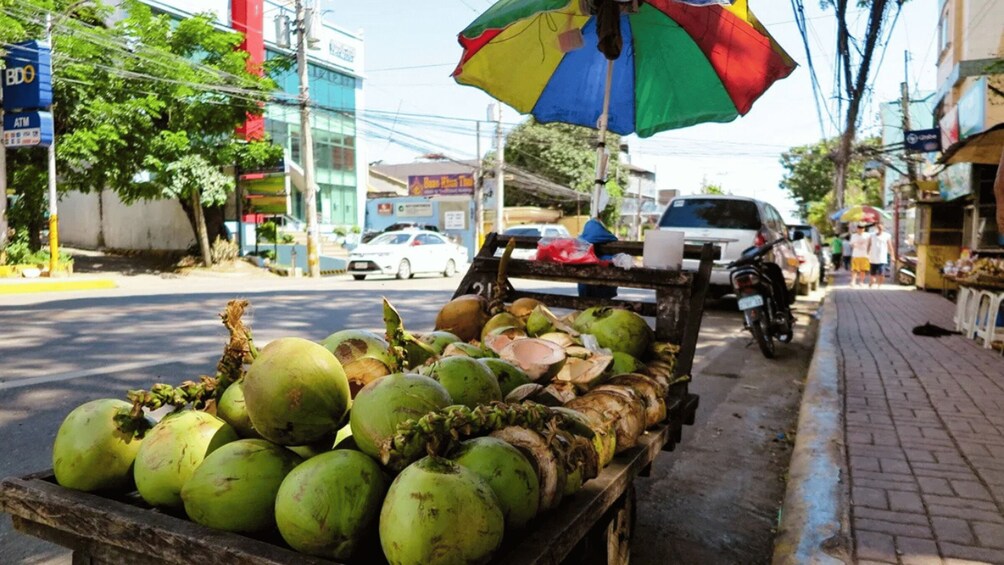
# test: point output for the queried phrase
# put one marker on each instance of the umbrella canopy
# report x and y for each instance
(861, 213)
(676, 62)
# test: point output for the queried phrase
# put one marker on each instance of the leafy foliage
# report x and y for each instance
(809, 174)
(566, 155)
(146, 97)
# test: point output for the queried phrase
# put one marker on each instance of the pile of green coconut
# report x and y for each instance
(428, 447)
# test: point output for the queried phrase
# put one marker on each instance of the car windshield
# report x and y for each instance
(713, 213)
(533, 232)
(391, 239)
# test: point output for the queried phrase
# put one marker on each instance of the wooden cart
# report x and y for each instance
(593, 526)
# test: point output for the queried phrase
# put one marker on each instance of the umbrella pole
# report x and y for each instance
(601, 161)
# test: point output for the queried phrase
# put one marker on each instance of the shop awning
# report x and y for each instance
(983, 148)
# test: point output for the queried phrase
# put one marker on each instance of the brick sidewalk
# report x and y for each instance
(924, 432)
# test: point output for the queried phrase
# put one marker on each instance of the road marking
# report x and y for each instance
(108, 369)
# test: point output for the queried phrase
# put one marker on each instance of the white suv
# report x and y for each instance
(533, 230)
(731, 224)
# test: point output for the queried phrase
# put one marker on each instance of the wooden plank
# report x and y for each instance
(637, 277)
(68, 516)
(695, 314)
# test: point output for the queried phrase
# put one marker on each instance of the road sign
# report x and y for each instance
(922, 140)
(27, 76)
(27, 129)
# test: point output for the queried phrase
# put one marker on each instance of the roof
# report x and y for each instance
(983, 147)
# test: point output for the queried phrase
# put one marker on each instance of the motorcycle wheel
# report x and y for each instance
(759, 327)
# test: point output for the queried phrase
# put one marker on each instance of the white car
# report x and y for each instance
(404, 253)
(731, 224)
(808, 266)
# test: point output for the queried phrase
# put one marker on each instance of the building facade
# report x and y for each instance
(969, 112)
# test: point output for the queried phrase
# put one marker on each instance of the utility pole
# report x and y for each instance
(3, 183)
(499, 171)
(911, 170)
(479, 196)
(307, 144)
(53, 198)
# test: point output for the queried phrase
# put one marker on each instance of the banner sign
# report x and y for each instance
(27, 76)
(27, 129)
(441, 185)
(973, 109)
(922, 140)
(414, 210)
(956, 181)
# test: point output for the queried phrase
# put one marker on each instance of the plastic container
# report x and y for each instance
(663, 250)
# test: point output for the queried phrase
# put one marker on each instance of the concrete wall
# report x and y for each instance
(154, 224)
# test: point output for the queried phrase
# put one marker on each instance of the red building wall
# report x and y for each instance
(247, 17)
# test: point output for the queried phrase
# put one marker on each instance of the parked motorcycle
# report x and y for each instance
(762, 296)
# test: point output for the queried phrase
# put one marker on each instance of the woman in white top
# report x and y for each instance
(860, 246)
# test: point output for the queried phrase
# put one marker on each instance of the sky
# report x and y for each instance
(411, 49)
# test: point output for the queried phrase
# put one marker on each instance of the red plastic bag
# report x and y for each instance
(568, 250)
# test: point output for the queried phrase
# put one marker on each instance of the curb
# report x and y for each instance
(814, 525)
(55, 285)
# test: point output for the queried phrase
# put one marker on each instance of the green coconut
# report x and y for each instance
(172, 451)
(325, 506)
(509, 376)
(438, 512)
(538, 322)
(624, 363)
(314, 449)
(92, 452)
(364, 356)
(296, 392)
(235, 487)
(523, 307)
(616, 329)
(502, 323)
(464, 316)
(508, 472)
(233, 410)
(462, 349)
(384, 403)
(438, 341)
(468, 381)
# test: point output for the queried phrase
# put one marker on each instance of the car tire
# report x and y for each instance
(359, 277)
(451, 269)
(404, 270)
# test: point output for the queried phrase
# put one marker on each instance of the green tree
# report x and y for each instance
(711, 188)
(809, 174)
(565, 154)
(141, 99)
(854, 74)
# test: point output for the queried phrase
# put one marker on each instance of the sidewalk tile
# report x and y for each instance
(924, 432)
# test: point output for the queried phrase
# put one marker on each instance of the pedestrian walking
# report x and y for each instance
(860, 247)
(879, 253)
(845, 252)
(836, 251)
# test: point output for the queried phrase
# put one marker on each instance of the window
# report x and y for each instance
(943, 32)
(711, 213)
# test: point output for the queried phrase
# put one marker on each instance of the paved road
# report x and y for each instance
(59, 351)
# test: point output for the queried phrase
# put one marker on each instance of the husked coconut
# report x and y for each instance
(538, 358)
(550, 470)
(584, 373)
(464, 316)
(523, 307)
(646, 389)
(622, 408)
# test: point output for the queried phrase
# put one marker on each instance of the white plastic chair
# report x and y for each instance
(987, 310)
(969, 314)
(962, 299)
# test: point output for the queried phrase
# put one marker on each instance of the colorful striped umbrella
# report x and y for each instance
(681, 64)
(861, 213)
(634, 67)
